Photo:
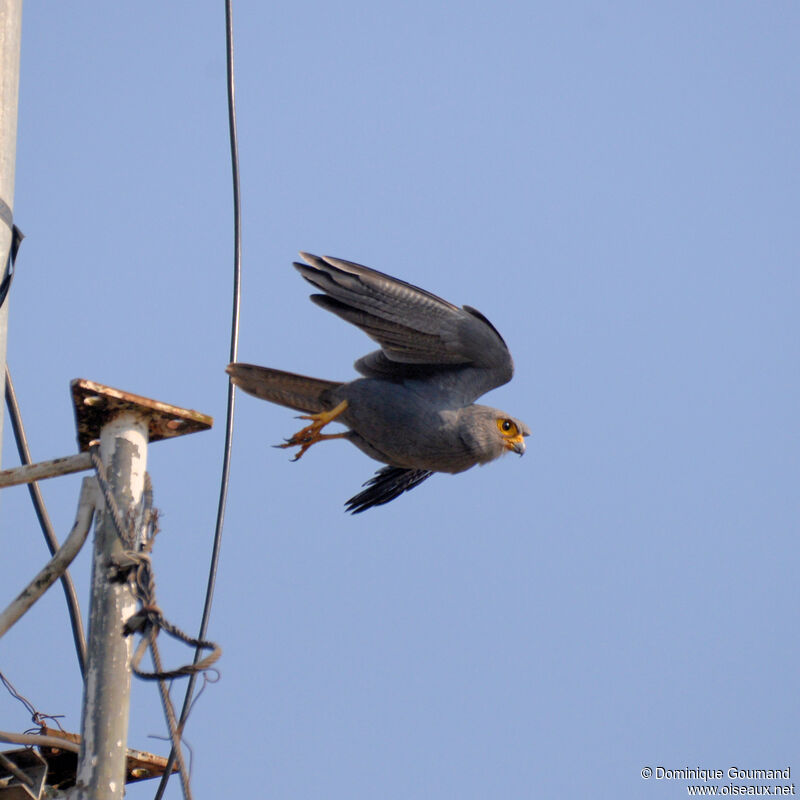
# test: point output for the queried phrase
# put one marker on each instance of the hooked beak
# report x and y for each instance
(516, 445)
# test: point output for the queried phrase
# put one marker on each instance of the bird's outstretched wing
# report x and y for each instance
(385, 485)
(421, 335)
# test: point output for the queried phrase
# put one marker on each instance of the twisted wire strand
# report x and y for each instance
(125, 532)
(149, 615)
(37, 717)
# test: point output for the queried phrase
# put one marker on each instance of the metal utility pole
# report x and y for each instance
(126, 423)
(101, 769)
(10, 34)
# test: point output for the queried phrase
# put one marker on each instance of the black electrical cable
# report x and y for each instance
(226, 458)
(73, 606)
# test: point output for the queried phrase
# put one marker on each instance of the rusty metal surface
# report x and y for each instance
(95, 404)
(35, 769)
(63, 764)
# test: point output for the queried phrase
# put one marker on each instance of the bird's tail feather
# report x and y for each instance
(299, 392)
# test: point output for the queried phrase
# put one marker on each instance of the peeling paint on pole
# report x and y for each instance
(101, 766)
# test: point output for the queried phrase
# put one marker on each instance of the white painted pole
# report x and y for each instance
(10, 34)
(104, 723)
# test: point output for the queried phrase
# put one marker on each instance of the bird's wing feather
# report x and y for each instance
(418, 332)
(386, 484)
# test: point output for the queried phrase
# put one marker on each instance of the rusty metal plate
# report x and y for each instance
(33, 766)
(96, 404)
(63, 764)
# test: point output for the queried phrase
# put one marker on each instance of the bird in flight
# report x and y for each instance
(414, 407)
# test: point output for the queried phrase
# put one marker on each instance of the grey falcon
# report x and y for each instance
(414, 408)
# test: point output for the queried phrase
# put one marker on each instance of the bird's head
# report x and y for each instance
(512, 433)
(491, 432)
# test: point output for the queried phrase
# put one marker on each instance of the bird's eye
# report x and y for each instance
(507, 427)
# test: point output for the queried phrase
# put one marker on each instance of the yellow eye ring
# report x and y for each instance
(507, 427)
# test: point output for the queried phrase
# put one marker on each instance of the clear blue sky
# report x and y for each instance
(616, 187)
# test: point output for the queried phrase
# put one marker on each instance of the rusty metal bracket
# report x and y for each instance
(22, 775)
(95, 404)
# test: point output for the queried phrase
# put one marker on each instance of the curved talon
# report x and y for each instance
(311, 434)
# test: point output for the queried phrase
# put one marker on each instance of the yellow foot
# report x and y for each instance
(311, 433)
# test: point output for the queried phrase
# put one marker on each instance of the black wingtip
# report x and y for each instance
(386, 484)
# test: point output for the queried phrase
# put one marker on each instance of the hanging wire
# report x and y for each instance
(226, 458)
(37, 717)
(73, 606)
